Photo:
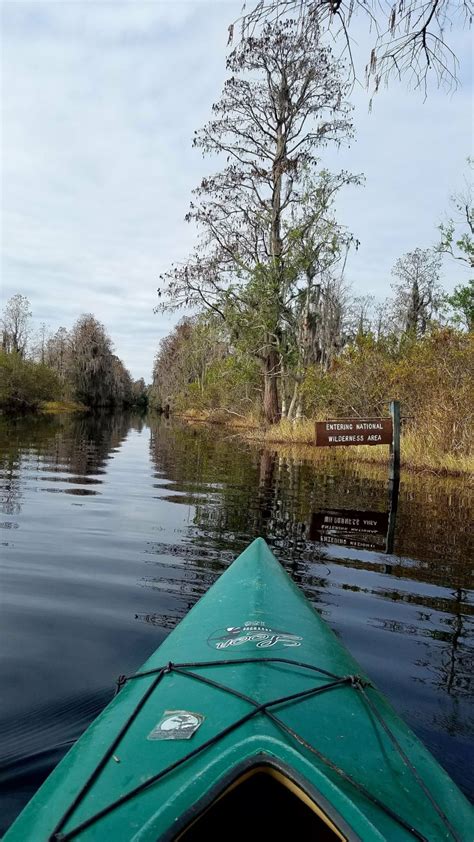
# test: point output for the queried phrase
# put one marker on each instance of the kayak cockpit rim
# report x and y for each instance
(305, 798)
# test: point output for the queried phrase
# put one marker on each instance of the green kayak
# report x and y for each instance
(251, 721)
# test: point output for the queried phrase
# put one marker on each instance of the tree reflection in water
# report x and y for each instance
(417, 593)
(110, 573)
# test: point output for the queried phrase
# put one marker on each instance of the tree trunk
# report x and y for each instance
(414, 308)
(271, 406)
(293, 402)
(283, 385)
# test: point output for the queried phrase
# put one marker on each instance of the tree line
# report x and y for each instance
(275, 322)
(78, 365)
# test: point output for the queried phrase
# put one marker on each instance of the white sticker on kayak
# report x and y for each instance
(251, 635)
(176, 725)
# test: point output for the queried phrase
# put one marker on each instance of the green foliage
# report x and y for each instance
(458, 245)
(431, 376)
(356, 383)
(457, 234)
(77, 365)
(197, 368)
(233, 384)
(24, 385)
(462, 303)
(457, 240)
(139, 395)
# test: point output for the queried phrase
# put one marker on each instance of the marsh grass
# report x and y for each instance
(421, 449)
(54, 407)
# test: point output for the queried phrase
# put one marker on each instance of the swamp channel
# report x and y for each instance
(111, 527)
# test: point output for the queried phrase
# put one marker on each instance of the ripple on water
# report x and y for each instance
(88, 592)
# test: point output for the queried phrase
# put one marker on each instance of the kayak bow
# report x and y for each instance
(250, 718)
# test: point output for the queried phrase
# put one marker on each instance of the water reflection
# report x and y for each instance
(357, 528)
(397, 588)
(60, 451)
(350, 528)
(140, 517)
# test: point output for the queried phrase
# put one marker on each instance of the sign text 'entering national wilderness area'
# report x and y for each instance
(353, 431)
(344, 432)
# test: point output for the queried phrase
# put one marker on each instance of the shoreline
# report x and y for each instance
(287, 435)
(58, 407)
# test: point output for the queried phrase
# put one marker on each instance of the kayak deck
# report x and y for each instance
(251, 686)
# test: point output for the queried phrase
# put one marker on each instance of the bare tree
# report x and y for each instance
(57, 351)
(418, 295)
(39, 350)
(409, 38)
(314, 320)
(16, 325)
(321, 332)
(362, 310)
(282, 102)
(382, 320)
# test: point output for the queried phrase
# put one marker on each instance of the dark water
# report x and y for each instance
(112, 527)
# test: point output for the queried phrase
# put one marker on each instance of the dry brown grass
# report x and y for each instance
(53, 407)
(221, 417)
(419, 451)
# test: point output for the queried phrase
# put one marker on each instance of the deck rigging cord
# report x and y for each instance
(356, 682)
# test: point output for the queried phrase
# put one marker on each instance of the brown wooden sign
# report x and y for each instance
(353, 431)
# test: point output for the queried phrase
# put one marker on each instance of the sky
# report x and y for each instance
(100, 101)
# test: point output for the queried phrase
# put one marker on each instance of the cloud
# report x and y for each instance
(99, 105)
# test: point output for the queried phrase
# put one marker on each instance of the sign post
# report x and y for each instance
(395, 443)
(394, 475)
(393, 487)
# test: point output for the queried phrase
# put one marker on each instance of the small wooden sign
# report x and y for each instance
(353, 431)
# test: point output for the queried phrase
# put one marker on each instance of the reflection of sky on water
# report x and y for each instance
(92, 582)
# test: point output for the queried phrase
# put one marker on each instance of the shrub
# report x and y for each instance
(25, 384)
(431, 377)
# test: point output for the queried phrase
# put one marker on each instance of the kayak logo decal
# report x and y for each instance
(251, 635)
(176, 725)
